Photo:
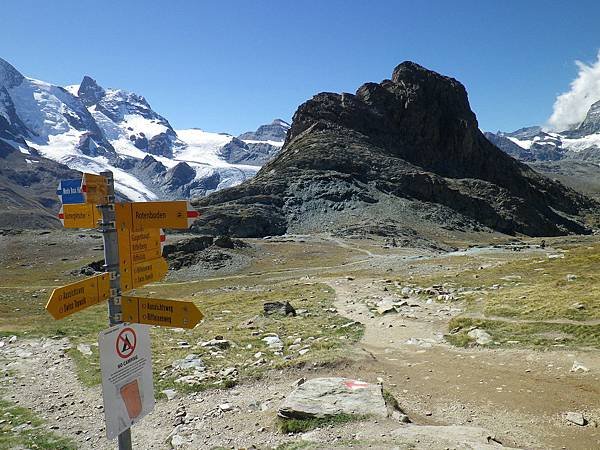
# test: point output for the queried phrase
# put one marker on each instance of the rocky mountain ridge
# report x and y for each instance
(398, 157)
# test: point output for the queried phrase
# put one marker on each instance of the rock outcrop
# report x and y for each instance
(327, 397)
(406, 151)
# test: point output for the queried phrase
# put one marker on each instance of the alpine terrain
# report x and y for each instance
(49, 132)
(571, 156)
(402, 157)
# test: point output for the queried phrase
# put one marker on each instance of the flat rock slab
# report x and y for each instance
(326, 397)
(450, 436)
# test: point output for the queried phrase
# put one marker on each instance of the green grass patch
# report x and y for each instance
(532, 290)
(20, 428)
(390, 400)
(301, 425)
(537, 288)
(226, 311)
(225, 308)
(536, 334)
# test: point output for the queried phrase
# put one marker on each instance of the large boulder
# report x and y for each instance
(326, 397)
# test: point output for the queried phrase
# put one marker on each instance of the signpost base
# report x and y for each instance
(125, 440)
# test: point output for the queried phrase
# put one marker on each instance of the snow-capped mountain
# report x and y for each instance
(582, 142)
(571, 156)
(89, 128)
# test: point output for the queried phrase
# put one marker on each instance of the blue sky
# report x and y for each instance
(232, 65)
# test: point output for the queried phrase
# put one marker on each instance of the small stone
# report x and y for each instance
(226, 407)
(481, 337)
(284, 309)
(304, 351)
(191, 361)
(223, 344)
(273, 342)
(84, 349)
(170, 393)
(177, 441)
(579, 367)
(298, 382)
(576, 418)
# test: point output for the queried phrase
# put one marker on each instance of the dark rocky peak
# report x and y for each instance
(275, 131)
(232, 148)
(9, 76)
(151, 165)
(406, 152)
(90, 92)
(92, 144)
(148, 160)
(525, 133)
(419, 116)
(280, 123)
(591, 123)
(179, 175)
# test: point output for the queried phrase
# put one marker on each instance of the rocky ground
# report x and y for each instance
(482, 396)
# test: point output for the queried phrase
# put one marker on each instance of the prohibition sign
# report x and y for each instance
(125, 344)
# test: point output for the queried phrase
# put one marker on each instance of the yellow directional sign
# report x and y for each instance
(74, 297)
(144, 215)
(94, 189)
(148, 272)
(80, 215)
(164, 313)
(136, 247)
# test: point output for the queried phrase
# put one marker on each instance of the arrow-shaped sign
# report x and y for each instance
(136, 247)
(164, 313)
(94, 189)
(148, 272)
(75, 297)
(79, 216)
(144, 215)
(69, 191)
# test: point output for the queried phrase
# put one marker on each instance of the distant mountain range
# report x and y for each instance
(571, 156)
(48, 129)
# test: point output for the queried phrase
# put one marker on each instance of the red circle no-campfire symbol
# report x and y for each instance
(126, 343)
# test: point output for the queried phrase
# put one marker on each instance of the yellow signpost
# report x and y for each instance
(75, 297)
(94, 189)
(144, 215)
(165, 313)
(133, 259)
(79, 215)
(136, 247)
(148, 272)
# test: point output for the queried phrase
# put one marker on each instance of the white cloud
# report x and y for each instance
(570, 108)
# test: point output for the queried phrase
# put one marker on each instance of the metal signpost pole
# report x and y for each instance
(111, 264)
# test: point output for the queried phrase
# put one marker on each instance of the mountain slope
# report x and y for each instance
(405, 153)
(28, 187)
